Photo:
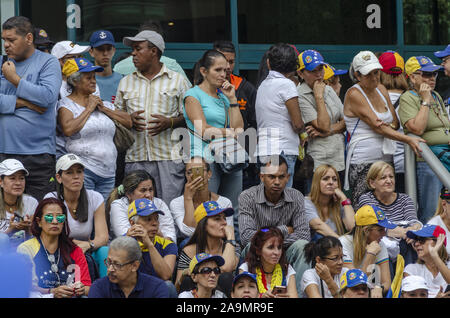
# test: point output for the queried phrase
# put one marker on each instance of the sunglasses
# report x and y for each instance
(429, 74)
(208, 270)
(422, 240)
(59, 218)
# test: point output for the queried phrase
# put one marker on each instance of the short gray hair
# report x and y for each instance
(128, 244)
(73, 79)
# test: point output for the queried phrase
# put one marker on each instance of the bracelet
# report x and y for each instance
(234, 105)
(346, 202)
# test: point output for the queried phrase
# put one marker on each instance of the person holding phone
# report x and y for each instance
(16, 208)
(196, 191)
(267, 259)
(328, 210)
(60, 267)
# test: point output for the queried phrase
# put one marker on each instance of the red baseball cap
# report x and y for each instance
(392, 62)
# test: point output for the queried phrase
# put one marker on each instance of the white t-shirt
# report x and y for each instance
(82, 230)
(120, 224)
(399, 155)
(275, 132)
(437, 220)
(177, 209)
(290, 272)
(433, 283)
(310, 277)
(347, 249)
(94, 142)
(29, 207)
(188, 294)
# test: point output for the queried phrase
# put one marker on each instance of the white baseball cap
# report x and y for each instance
(153, 37)
(11, 166)
(365, 62)
(67, 161)
(63, 48)
(413, 282)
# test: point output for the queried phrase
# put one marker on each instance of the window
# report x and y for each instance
(47, 14)
(317, 22)
(190, 21)
(426, 22)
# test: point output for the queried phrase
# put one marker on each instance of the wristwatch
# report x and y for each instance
(91, 243)
(234, 105)
(425, 104)
(232, 242)
(346, 202)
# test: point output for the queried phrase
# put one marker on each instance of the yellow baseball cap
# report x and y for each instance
(203, 257)
(352, 278)
(371, 214)
(420, 63)
(210, 208)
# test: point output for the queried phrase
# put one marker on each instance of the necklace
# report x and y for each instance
(51, 259)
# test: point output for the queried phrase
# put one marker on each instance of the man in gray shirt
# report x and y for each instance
(271, 203)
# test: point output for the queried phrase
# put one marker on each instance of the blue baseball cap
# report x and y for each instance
(244, 274)
(210, 208)
(143, 207)
(428, 230)
(81, 65)
(101, 37)
(372, 214)
(203, 257)
(420, 63)
(444, 53)
(310, 59)
(352, 278)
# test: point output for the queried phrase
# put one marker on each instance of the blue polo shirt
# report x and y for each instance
(163, 246)
(146, 287)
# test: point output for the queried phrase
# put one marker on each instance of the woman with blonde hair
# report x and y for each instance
(442, 215)
(328, 210)
(363, 248)
(398, 207)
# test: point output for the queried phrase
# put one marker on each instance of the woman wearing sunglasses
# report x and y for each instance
(422, 112)
(267, 259)
(60, 267)
(212, 236)
(433, 262)
(205, 271)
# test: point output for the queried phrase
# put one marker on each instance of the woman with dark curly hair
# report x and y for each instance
(53, 253)
(278, 116)
(267, 259)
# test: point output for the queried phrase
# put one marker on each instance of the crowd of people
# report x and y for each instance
(320, 213)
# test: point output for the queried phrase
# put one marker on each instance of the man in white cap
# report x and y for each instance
(153, 95)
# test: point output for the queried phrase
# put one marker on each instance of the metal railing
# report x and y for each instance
(410, 169)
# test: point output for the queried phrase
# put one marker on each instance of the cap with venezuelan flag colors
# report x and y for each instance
(203, 257)
(352, 278)
(330, 71)
(392, 62)
(79, 65)
(371, 214)
(420, 63)
(310, 59)
(428, 230)
(210, 208)
(142, 207)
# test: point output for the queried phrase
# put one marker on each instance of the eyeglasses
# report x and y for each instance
(208, 270)
(59, 218)
(335, 259)
(116, 266)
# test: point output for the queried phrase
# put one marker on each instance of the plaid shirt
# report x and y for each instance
(255, 212)
(163, 95)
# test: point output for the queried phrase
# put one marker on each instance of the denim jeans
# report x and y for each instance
(228, 185)
(428, 189)
(102, 185)
(291, 159)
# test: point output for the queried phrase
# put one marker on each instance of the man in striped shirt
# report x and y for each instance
(153, 95)
(271, 203)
